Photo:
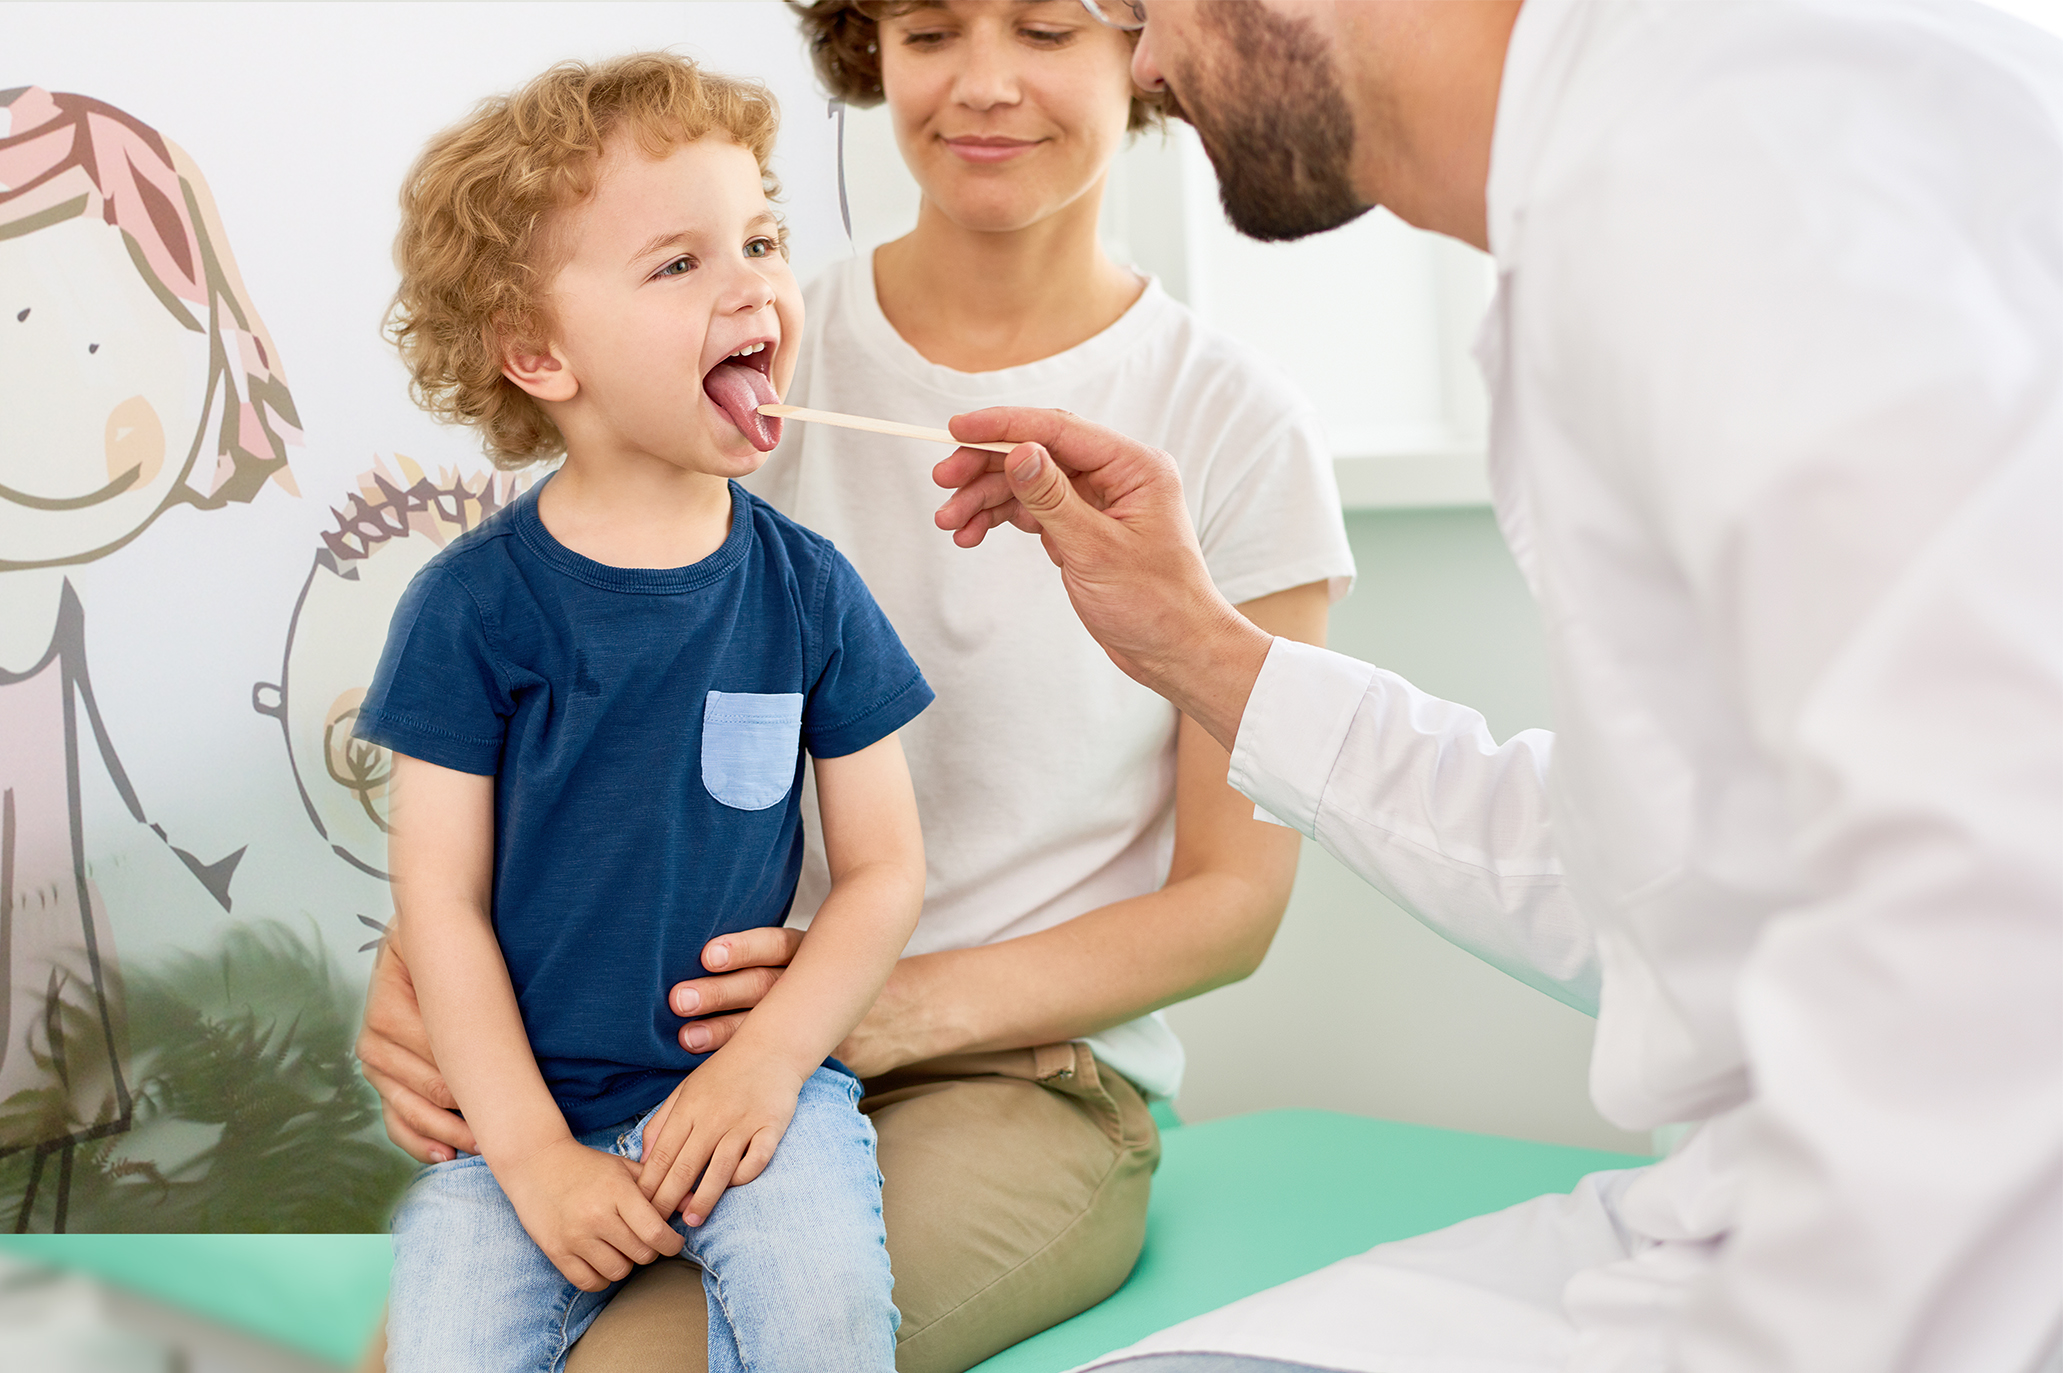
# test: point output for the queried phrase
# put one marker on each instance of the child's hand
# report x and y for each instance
(584, 1209)
(720, 1125)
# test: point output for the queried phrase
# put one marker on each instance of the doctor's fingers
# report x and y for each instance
(1075, 443)
(985, 491)
(970, 534)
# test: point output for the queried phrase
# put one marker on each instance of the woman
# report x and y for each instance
(1088, 863)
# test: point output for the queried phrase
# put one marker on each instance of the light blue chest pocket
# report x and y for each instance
(749, 745)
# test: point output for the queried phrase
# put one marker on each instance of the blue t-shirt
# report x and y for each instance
(645, 729)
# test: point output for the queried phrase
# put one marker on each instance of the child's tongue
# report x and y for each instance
(740, 390)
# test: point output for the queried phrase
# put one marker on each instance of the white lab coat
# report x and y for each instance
(1776, 364)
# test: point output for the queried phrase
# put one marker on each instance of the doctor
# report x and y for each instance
(1777, 376)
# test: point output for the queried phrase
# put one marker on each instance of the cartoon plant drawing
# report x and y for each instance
(250, 1112)
(385, 531)
(135, 375)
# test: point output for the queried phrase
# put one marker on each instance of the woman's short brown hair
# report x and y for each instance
(473, 268)
(844, 42)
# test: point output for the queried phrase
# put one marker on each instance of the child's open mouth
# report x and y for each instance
(739, 385)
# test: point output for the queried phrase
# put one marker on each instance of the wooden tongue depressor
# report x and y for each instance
(874, 426)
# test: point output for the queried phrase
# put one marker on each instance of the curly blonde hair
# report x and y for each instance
(474, 258)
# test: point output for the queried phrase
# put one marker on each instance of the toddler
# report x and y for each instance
(599, 701)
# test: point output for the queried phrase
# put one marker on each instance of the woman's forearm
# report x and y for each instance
(1209, 924)
(1100, 969)
(854, 943)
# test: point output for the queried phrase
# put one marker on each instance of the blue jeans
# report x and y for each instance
(794, 1263)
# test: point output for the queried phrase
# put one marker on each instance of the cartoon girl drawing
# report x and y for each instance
(134, 376)
(386, 530)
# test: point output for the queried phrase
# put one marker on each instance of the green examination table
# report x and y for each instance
(1239, 1205)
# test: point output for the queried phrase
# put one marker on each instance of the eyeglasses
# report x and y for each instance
(1119, 14)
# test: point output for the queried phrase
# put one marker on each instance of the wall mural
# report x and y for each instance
(387, 530)
(209, 1086)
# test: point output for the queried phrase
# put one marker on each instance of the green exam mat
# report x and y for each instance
(1238, 1205)
(1248, 1202)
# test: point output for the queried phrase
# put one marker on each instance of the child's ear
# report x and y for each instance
(539, 370)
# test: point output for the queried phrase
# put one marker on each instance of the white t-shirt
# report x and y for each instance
(1045, 777)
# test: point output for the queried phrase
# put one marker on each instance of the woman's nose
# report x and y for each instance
(987, 77)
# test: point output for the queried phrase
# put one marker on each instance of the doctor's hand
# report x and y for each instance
(1111, 515)
(394, 1055)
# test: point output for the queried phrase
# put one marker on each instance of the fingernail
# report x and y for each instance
(698, 1039)
(440, 1156)
(1029, 468)
(718, 957)
(686, 1002)
(691, 1218)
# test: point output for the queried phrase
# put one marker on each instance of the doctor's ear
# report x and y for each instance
(538, 369)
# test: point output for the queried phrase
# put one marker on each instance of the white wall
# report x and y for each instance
(1358, 1006)
(303, 118)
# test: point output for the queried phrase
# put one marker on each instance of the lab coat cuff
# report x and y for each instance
(1295, 724)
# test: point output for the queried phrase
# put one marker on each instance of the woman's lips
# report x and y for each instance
(990, 149)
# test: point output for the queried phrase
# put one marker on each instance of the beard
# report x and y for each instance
(1275, 124)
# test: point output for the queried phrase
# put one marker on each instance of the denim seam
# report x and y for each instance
(557, 1360)
(714, 1280)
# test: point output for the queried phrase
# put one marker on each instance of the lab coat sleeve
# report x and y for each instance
(1828, 375)
(1412, 793)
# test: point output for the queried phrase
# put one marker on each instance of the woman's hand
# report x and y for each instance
(743, 969)
(394, 1054)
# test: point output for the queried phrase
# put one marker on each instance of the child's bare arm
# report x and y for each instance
(722, 1123)
(582, 1206)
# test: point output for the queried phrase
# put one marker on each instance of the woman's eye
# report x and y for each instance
(928, 38)
(680, 266)
(1049, 37)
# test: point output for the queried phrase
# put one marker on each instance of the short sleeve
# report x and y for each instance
(437, 694)
(1267, 508)
(869, 686)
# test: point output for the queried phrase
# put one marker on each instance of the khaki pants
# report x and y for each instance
(1014, 1197)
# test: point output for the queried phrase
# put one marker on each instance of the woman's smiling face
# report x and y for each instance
(103, 390)
(1006, 111)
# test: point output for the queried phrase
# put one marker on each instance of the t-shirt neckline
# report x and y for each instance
(637, 580)
(1103, 351)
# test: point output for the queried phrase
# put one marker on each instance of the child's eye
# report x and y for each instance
(680, 266)
(1048, 37)
(927, 38)
(759, 247)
